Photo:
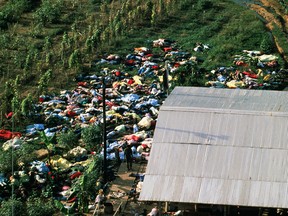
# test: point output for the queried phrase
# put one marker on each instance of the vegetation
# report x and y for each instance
(50, 43)
(92, 137)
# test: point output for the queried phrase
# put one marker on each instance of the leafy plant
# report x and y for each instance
(92, 137)
(27, 105)
(38, 207)
(13, 207)
(266, 44)
(68, 139)
(49, 12)
(48, 143)
(8, 160)
(26, 153)
(84, 188)
(44, 81)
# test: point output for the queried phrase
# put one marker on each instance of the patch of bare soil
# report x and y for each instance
(271, 11)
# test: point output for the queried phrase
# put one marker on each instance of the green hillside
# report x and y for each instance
(64, 38)
(47, 46)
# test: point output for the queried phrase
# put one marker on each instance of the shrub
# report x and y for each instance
(204, 4)
(8, 160)
(266, 44)
(11, 12)
(92, 137)
(38, 207)
(67, 140)
(13, 207)
(49, 12)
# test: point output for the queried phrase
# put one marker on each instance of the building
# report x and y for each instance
(220, 147)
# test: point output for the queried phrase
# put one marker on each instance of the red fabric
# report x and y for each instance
(129, 62)
(241, 63)
(9, 115)
(167, 49)
(110, 104)
(155, 67)
(176, 64)
(132, 137)
(135, 138)
(71, 113)
(118, 73)
(254, 76)
(41, 99)
(72, 200)
(130, 81)
(149, 55)
(82, 84)
(5, 134)
(75, 175)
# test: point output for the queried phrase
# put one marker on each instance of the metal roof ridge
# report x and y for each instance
(224, 111)
(213, 145)
(207, 177)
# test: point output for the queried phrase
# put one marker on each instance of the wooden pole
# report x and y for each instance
(104, 129)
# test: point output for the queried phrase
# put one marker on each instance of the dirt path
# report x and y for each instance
(120, 189)
(271, 11)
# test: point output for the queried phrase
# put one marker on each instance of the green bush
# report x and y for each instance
(38, 207)
(26, 153)
(67, 140)
(8, 160)
(49, 12)
(267, 44)
(204, 5)
(92, 137)
(13, 207)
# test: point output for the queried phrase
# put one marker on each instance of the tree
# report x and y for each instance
(44, 81)
(153, 16)
(27, 106)
(266, 45)
(149, 9)
(74, 60)
(7, 97)
(49, 12)
(16, 107)
(161, 8)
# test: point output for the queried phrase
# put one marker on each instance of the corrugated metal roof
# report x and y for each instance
(220, 146)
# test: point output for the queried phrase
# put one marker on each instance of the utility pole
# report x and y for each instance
(104, 128)
(166, 78)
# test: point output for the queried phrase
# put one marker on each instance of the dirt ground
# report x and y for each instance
(271, 11)
(119, 192)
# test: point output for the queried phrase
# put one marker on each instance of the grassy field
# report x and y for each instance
(44, 46)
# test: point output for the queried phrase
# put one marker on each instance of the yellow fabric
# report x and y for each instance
(137, 79)
(267, 77)
(235, 84)
(57, 162)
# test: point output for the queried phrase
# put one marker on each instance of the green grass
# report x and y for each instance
(226, 31)
(221, 24)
